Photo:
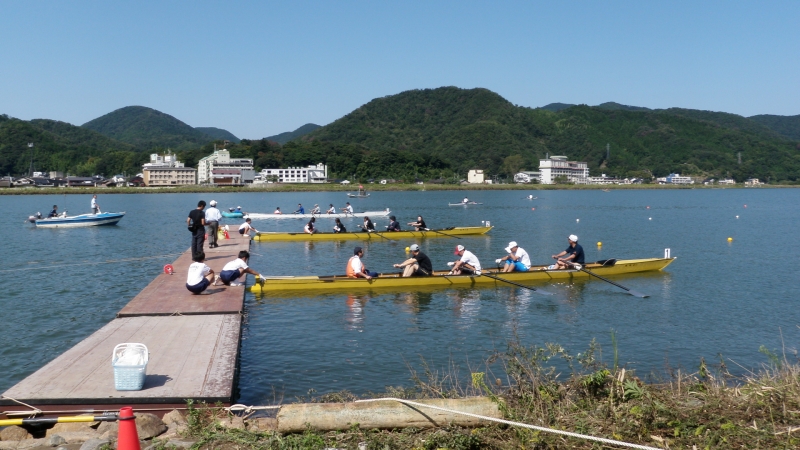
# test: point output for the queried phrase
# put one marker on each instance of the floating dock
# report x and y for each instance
(193, 342)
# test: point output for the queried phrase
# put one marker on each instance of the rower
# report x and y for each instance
(234, 270)
(574, 254)
(315, 210)
(418, 265)
(338, 227)
(309, 228)
(468, 264)
(516, 260)
(394, 225)
(300, 209)
(348, 209)
(419, 225)
(356, 269)
(277, 210)
(332, 209)
(466, 200)
(368, 225)
(245, 228)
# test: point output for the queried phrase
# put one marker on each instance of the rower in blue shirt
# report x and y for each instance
(300, 209)
(54, 212)
(574, 254)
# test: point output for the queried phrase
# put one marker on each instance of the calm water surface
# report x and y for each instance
(717, 298)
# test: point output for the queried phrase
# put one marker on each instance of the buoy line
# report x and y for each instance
(107, 261)
(516, 424)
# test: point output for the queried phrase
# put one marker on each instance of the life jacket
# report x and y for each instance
(350, 272)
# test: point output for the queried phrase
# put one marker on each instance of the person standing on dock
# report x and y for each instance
(196, 223)
(95, 206)
(418, 265)
(574, 254)
(199, 275)
(357, 269)
(517, 259)
(213, 216)
(235, 269)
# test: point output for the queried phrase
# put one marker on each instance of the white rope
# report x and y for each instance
(249, 409)
(32, 413)
(516, 424)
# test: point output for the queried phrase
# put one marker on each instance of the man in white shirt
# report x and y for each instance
(356, 268)
(235, 269)
(516, 260)
(199, 276)
(213, 216)
(348, 209)
(245, 228)
(95, 206)
(467, 265)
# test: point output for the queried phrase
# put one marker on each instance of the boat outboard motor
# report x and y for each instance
(35, 217)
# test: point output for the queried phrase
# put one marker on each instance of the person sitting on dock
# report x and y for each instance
(467, 265)
(419, 225)
(348, 209)
(199, 275)
(418, 265)
(54, 212)
(316, 209)
(245, 228)
(235, 269)
(357, 269)
(368, 225)
(277, 210)
(516, 260)
(394, 225)
(332, 209)
(338, 227)
(300, 209)
(310, 228)
(574, 254)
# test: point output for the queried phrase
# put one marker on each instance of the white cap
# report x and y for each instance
(239, 207)
(512, 244)
(459, 248)
(573, 238)
(414, 248)
(213, 203)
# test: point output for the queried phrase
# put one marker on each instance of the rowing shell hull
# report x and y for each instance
(384, 235)
(442, 280)
(464, 204)
(319, 216)
(83, 220)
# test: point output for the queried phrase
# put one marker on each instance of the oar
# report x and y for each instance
(443, 234)
(538, 291)
(362, 227)
(630, 291)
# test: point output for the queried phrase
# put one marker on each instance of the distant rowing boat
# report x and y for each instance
(441, 279)
(320, 215)
(464, 204)
(300, 236)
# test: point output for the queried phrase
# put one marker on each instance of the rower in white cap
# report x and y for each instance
(516, 260)
(574, 254)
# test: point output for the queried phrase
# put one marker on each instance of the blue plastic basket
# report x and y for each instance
(129, 377)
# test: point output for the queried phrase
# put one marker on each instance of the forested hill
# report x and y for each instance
(788, 126)
(287, 136)
(219, 133)
(145, 128)
(430, 131)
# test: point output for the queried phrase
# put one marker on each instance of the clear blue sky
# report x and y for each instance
(260, 68)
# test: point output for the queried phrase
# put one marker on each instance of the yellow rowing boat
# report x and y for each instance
(443, 280)
(381, 235)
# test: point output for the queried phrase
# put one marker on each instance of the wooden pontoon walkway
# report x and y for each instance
(193, 342)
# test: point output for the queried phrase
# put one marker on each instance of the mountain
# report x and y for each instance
(613, 106)
(787, 126)
(556, 107)
(146, 129)
(219, 134)
(290, 135)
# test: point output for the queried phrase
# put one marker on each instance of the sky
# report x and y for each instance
(261, 68)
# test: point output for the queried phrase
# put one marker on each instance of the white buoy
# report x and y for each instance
(649, 218)
(577, 220)
(737, 217)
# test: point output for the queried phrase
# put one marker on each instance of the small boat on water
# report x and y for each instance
(464, 203)
(361, 193)
(320, 215)
(442, 279)
(383, 235)
(82, 220)
(232, 215)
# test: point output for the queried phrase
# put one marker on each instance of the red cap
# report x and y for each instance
(459, 248)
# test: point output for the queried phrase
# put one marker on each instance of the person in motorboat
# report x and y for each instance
(300, 209)
(468, 264)
(419, 225)
(394, 225)
(572, 255)
(316, 209)
(213, 216)
(234, 270)
(310, 228)
(199, 276)
(368, 225)
(239, 210)
(95, 206)
(245, 228)
(356, 268)
(348, 209)
(54, 212)
(517, 259)
(277, 210)
(418, 265)
(331, 209)
(338, 227)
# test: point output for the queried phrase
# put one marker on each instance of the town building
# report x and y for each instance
(750, 182)
(220, 169)
(553, 167)
(727, 181)
(605, 179)
(475, 176)
(311, 174)
(528, 177)
(675, 178)
(166, 170)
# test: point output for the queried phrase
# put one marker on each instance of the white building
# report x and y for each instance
(475, 176)
(727, 181)
(558, 166)
(750, 182)
(166, 171)
(229, 170)
(605, 179)
(675, 178)
(311, 174)
(528, 177)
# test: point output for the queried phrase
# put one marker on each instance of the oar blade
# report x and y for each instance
(637, 294)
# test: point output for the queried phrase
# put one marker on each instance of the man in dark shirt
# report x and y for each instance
(54, 212)
(368, 225)
(196, 222)
(418, 265)
(574, 254)
(394, 225)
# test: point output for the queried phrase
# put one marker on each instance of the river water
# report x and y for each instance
(718, 299)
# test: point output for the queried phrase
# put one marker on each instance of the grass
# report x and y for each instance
(705, 409)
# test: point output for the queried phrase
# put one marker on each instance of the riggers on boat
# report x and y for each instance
(443, 280)
(381, 235)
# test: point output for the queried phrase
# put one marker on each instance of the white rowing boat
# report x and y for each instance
(320, 215)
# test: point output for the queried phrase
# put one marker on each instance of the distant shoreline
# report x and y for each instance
(288, 187)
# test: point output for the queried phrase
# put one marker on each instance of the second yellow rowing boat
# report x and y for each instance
(364, 236)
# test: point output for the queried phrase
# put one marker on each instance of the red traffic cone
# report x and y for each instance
(128, 438)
